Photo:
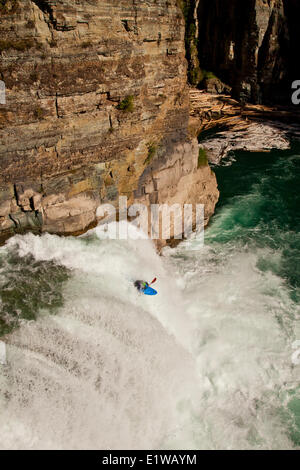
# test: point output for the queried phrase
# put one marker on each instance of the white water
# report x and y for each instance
(205, 364)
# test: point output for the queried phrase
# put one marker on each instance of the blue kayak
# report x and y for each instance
(144, 288)
(149, 291)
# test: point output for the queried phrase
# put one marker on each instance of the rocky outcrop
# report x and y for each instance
(180, 179)
(250, 45)
(96, 100)
(224, 125)
(254, 137)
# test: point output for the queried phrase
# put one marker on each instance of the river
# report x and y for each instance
(206, 364)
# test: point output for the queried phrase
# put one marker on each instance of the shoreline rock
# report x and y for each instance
(235, 126)
(257, 137)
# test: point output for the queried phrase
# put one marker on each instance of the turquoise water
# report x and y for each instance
(258, 212)
(259, 206)
(243, 290)
(206, 364)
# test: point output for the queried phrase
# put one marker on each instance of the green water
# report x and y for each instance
(259, 210)
(259, 206)
(107, 350)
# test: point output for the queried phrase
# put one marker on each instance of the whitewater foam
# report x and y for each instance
(206, 365)
(103, 372)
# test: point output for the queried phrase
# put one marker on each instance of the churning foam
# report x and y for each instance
(204, 364)
(103, 372)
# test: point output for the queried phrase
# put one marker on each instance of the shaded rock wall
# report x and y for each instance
(251, 45)
(292, 12)
(96, 95)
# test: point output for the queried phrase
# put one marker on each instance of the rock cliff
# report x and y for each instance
(97, 106)
(252, 45)
(224, 125)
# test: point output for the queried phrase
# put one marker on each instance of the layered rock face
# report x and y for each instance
(96, 101)
(250, 44)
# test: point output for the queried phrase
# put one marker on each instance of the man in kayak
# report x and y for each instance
(142, 285)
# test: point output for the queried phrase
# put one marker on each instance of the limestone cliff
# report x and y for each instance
(252, 45)
(96, 106)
